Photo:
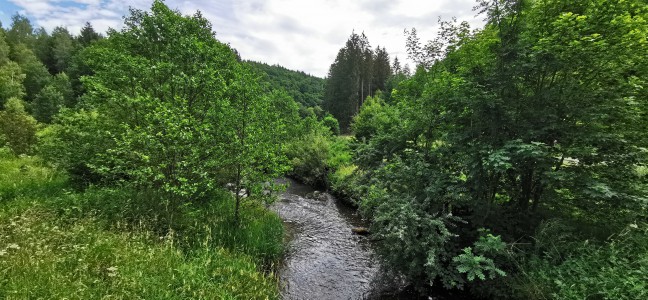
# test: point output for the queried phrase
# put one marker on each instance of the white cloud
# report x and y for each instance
(301, 35)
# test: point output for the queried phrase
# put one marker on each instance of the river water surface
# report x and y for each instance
(324, 259)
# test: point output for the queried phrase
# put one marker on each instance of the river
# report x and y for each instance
(324, 259)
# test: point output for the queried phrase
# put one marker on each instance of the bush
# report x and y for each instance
(589, 270)
(308, 156)
(331, 123)
(17, 127)
(77, 142)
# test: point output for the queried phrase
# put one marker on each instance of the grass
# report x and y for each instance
(116, 243)
(613, 270)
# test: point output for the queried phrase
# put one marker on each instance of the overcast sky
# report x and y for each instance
(298, 34)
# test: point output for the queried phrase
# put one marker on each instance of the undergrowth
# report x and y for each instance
(121, 243)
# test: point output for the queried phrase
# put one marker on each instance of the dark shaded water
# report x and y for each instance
(325, 260)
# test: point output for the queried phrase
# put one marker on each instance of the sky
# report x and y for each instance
(301, 35)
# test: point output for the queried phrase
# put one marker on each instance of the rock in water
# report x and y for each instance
(360, 230)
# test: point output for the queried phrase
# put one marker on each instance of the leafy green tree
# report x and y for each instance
(63, 49)
(179, 112)
(330, 122)
(20, 31)
(36, 75)
(254, 131)
(375, 117)
(11, 82)
(43, 47)
(18, 127)
(52, 98)
(47, 103)
(4, 48)
(535, 116)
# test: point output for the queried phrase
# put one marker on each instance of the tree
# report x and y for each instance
(36, 75)
(57, 94)
(43, 48)
(254, 131)
(534, 117)
(63, 49)
(20, 31)
(175, 109)
(17, 127)
(381, 69)
(4, 49)
(330, 122)
(353, 77)
(88, 35)
(11, 82)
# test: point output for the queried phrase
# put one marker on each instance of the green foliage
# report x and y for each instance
(307, 90)
(88, 35)
(63, 48)
(11, 82)
(57, 94)
(75, 143)
(4, 49)
(122, 243)
(315, 154)
(170, 108)
(475, 264)
(375, 116)
(331, 123)
(535, 116)
(20, 31)
(18, 127)
(36, 75)
(308, 155)
(357, 73)
(578, 270)
(47, 103)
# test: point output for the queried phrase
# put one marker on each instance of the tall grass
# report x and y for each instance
(121, 243)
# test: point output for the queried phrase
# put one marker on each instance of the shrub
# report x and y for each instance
(331, 123)
(18, 127)
(588, 269)
(308, 157)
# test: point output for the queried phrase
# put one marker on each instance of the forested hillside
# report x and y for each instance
(510, 163)
(305, 89)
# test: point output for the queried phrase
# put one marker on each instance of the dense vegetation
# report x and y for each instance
(306, 90)
(512, 163)
(357, 73)
(155, 157)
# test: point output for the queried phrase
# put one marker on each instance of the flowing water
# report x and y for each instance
(324, 259)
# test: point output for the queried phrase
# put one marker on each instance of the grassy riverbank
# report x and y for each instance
(57, 242)
(325, 161)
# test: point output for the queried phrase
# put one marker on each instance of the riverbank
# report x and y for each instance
(58, 242)
(326, 162)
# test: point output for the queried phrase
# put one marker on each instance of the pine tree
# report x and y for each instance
(357, 73)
